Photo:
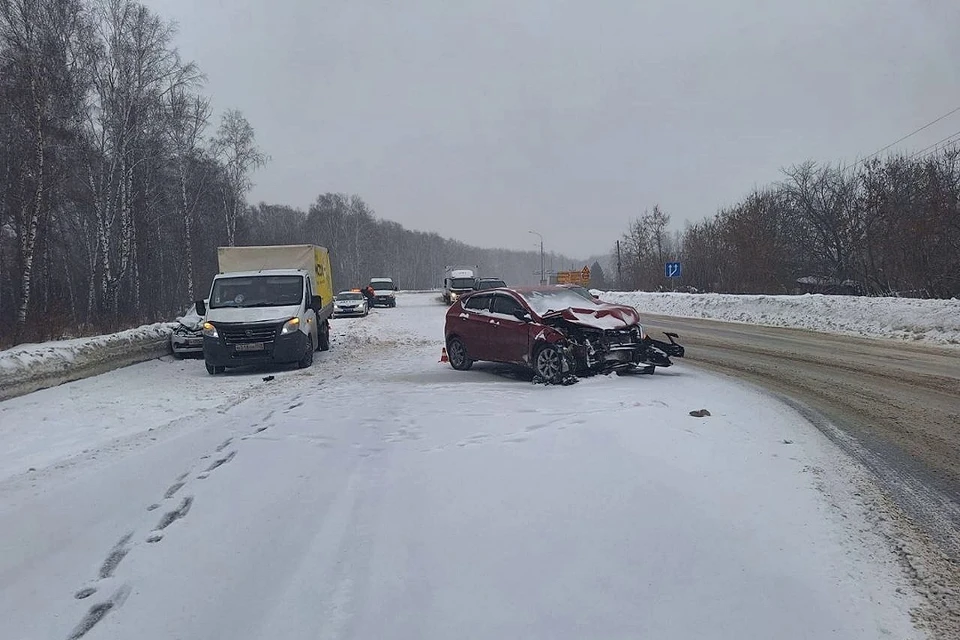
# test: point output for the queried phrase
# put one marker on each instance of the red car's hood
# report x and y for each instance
(604, 316)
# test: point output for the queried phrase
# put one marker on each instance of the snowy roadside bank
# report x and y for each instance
(28, 367)
(934, 322)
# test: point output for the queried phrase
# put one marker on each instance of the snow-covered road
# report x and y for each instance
(383, 495)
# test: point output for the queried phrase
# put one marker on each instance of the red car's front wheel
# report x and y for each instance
(548, 363)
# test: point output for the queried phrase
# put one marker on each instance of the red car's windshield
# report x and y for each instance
(543, 302)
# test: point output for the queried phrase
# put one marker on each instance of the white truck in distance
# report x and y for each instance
(268, 305)
(457, 281)
(384, 292)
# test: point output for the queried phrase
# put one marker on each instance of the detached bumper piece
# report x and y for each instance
(669, 348)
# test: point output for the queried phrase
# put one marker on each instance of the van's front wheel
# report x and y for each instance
(212, 370)
(307, 359)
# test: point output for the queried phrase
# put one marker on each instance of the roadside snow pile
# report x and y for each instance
(934, 321)
(28, 367)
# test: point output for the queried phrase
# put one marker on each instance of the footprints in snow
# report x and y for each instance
(477, 438)
(559, 424)
(259, 430)
(216, 464)
(118, 553)
(172, 516)
(402, 434)
(125, 545)
(171, 491)
(98, 611)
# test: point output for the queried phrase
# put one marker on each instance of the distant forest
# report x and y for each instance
(116, 187)
(880, 227)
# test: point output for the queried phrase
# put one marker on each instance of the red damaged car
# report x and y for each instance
(553, 330)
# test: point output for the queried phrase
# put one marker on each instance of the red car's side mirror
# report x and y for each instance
(522, 315)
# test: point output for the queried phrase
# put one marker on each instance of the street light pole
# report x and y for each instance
(542, 274)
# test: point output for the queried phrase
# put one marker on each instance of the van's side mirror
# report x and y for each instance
(200, 307)
(396, 287)
(522, 315)
(316, 302)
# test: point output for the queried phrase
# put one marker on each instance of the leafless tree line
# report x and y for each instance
(115, 191)
(882, 227)
(108, 188)
(363, 246)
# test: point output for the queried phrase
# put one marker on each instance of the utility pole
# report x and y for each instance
(542, 274)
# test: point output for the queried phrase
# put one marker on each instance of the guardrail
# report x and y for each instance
(27, 369)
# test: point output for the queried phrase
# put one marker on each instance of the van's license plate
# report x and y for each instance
(250, 346)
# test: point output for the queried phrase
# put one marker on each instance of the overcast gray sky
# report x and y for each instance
(483, 119)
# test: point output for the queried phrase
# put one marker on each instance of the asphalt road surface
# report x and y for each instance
(893, 405)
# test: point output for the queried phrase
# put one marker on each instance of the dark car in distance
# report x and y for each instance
(489, 283)
(556, 332)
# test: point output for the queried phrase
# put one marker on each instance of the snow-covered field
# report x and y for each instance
(380, 494)
(931, 321)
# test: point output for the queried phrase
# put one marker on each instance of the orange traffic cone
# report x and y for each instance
(443, 355)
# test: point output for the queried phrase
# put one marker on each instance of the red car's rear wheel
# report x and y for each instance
(457, 352)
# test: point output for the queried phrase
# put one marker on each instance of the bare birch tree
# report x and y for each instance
(236, 148)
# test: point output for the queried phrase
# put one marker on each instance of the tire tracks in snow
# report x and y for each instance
(330, 585)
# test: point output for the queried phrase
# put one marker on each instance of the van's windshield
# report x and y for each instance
(256, 291)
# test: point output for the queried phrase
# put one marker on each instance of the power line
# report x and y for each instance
(936, 146)
(911, 134)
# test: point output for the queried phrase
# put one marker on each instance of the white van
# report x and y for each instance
(269, 315)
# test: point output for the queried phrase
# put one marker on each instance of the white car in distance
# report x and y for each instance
(350, 303)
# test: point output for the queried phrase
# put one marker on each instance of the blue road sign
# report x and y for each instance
(672, 270)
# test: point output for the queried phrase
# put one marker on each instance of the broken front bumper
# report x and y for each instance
(621, 352)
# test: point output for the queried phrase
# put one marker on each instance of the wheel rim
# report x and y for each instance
(548, 363)
(457, 353)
